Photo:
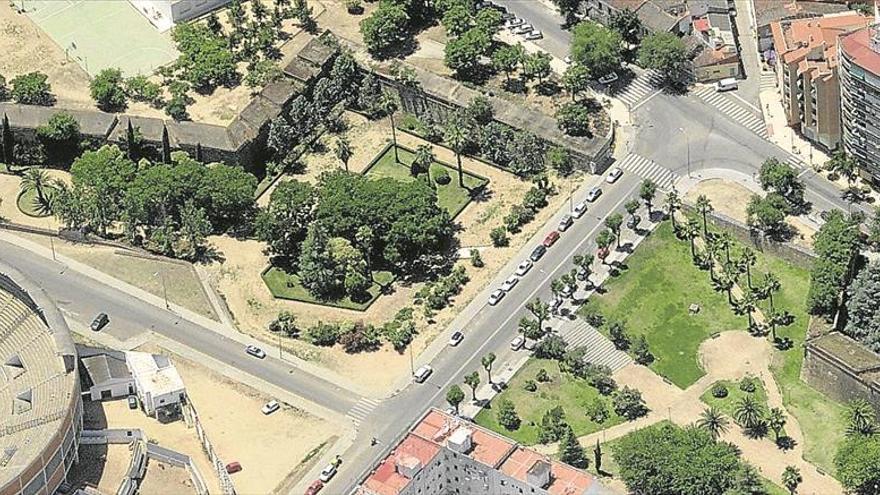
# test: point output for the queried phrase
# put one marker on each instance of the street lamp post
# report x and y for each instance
(161, 275)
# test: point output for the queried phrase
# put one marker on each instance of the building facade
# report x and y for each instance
(164, 14)
(860, 99)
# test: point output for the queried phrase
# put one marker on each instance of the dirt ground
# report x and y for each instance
(238, 279)
(732, 199)
(162, 479)
(268, 447)
(101, 466)
(10, 186)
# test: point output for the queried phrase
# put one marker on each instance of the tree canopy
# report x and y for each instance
(206, 60)
(863, 306)
(663, 52)
(858, 464)
(596, 47)
(835, 244)
(386, 28)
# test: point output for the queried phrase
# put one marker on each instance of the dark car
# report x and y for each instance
(499, 386)
(537, 253)
(100, 322)
(132, 402)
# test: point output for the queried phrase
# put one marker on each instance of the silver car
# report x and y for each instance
(510, 283)
(594, 194)
(565, 223)
(524, 268)
(579, 209)
(515, 23)
(534, 35)
(496, 296)
(525, 28)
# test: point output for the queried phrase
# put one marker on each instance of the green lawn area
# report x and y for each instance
(727, 405)
(285, 285)
(563, 390)
(29, 204)
(450, 197)
(653, 295)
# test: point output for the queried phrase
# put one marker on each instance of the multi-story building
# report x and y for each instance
(444, 455)
(807, 75)
(860, 98)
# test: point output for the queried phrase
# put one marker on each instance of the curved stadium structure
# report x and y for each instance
(40, 404)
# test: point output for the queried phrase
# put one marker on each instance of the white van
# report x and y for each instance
(726, 84)
(423, 373)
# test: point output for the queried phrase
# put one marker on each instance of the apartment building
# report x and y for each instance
(447, 455)
(806, 57)
(859, 54)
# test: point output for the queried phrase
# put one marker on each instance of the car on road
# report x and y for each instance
(551, 238)
(523, 29)
(233, 467)
(514, 23)
(455, 339)
(255, 351)
(132, 402)
(534, 35)
(327, 473)
(422, 373)
(566, 291)
(613, 174)
(608, 78)
(99, 322)
(499, 386)
(538, 252)
(270, 407)
(524, 268)
(594, 194)
(510, 283)
(496, 296)
(726, 84)
(518, 343)
(315, 487)
(565, 223)
(579, 209)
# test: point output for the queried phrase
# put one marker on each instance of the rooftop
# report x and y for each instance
(857, 46)
(812, 42)
(767, 11)
(854, 355)
(154, 373)
(385, 480)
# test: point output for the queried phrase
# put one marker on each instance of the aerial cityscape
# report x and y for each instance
(440, 247)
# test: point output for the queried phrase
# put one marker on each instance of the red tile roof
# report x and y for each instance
(385, 480)
(564, 480)
(857, 46)
(701, 24)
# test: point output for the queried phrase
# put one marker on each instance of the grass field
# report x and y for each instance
(28, 203)
(563, 390)
(450, 197)
(285, 285)
(652, 297)
(727, 405)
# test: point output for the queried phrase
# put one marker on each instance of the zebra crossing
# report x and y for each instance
(649, 169)
(361, 410)
(739, 114)
(768, 80)
(640, 88)
(600, 350)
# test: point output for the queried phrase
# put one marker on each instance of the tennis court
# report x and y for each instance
(98, 34)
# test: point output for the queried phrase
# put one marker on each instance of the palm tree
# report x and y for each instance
(769, 285)
(647, 191)
(776, 318)
(713, 421)
(844, 165)
(747, 305)
(37, 180)
(704, 206)
(673, 204)
(724, 282)
(747, 260)
(388, 104)
(748, 412)
(487, 361)
(343, 151)
(776, 421)
(456, 137)
(423, 160)
(692, 231)
(861, 420)
(791, 478)
(725, 241)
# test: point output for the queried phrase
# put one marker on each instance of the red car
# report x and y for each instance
(315, 487)
(551, 238)
(233, 467)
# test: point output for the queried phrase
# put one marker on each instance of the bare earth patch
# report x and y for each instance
(162, 478)
(102, 466)
(10, 186)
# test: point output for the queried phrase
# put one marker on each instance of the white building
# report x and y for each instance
(159, 386)
(105, 374)
(164, 14)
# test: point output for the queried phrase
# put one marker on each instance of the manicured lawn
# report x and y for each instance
(285, 285)
(450, 197)
(563, 390)
(652, 297)
(727, 405)
(28, 203)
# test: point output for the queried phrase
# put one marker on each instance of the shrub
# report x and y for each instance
(4, 91)
(476, 259)
(106, 90)
(597, 411)
(542, 376)
(628, 403)
(719, 391)
(323, 334)
(573, 119)
(747, 384)
(32, 89)
(401, 330)
(530, 386)
(60, 137)
(594, 317)
(141, 89)
(360, 338)
(442, 177)
(499, 237)
(285, 323)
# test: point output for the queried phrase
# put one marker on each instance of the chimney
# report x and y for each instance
(539, 474)
(461, 440)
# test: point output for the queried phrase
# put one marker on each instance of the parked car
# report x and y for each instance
(551, 238)
(594, 194)
(456, 339)
(523, 29)
(538, 252)
(327, 473)
(510, 283)
(255, 351)
(100, 322)
(534, 35)
(566, 291)
(565, 223)
(132, 402)
(555, 304)
(514, 23)
(581, 274)
(579, 209)
(613, 174)
(518, 343)
(496, 296)
(499, 386)
(315, 487)
(271, 407)
(608, 78)
(524, 267)
(423, 373)
(233, 467)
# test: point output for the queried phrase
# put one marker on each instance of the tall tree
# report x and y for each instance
(385, 29)
(343, 151)
(673, 204)
(8, 141)
(782, 179)
(858, 464)
(628, 25)
(540, 310)
(746, 261)
(647, 191)
(456, 136)
(704, 206)
(776, 421)
(568, 9)
(472, 380)
(166, 146)
(664, 52)
(571, 451)
(748, 412)
(597, 457)
(454, 396)
(130, 141)
(863, 305)
(507, 59)
(507, 416)
(487, 361)
(614, 223)
(576, 79)
(596, 47)
(388, 103)
(769, 286)
(860, 419)
(194, 228)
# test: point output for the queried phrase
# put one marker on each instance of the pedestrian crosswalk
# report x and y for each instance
(796, 162)
(649, 169)
(727, 106)
(768, 80)
(599, 350)
(361, 410)
(640, 88)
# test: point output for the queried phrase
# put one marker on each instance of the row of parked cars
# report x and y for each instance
(513, 23)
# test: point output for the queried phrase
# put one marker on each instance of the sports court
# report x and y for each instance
(98, 34)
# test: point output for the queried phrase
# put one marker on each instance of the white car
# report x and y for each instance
(524, 268)
(518, 343)
(614, 174)
(579, 209)
(496, 296)
(565, 223)
(608, 78)
(271, 407)
(566, 291)
(523, 29)
(510, 283)
(594, 194)
(327, 473)
(255, 351)
(422, 373)
(534, 35)
(456, 339)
